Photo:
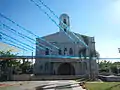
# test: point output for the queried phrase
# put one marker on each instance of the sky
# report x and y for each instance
(96, 18)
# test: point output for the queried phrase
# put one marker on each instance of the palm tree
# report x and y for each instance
(82, 52)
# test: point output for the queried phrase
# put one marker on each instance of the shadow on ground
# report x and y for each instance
(56, 87)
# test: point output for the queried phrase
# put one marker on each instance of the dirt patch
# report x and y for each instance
(4, 85)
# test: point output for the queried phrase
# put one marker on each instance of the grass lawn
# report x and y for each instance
(103, 86)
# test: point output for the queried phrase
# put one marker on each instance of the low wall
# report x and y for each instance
(27, 77)
(113, 79)
(22, 77)
(57, 77)
(110, 78)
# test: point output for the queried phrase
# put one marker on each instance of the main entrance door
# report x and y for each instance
(66, 69)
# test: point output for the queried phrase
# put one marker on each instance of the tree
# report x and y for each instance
(26, 66)
(7, 64)
(8, 61)
(97, 54)
(82, 53)
(16, 65)
(107, 66)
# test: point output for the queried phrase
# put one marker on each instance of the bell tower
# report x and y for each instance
(64, 22)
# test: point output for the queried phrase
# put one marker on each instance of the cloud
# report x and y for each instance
(5, 47)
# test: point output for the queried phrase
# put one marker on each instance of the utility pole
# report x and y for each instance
(32, 57)
(117, 65)
(32, 62)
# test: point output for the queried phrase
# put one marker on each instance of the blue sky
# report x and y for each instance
(98, 18)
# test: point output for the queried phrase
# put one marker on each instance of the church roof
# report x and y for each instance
(61, 37)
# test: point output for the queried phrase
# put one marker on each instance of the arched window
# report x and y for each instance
(47, 51)
(65, 29)
(71, 51)
(60, 52)
(64, 20)
(65, 51)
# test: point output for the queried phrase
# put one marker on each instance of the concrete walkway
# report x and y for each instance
(44, 85)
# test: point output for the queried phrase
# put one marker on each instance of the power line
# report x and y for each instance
(27, 30)
(16, 43)
(25, 37)
(62, 22)
(19, 41)
(15, 32)
(16, 40)
(51, 19)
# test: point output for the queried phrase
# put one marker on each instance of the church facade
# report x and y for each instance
(72, 57)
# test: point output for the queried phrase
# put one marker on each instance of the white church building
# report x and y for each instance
(72, 57)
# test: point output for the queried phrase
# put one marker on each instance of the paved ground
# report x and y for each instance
(42, 85)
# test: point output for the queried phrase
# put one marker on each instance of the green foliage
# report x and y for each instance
(85, 38)
(97, 54)
(13, 66)
(103, 86)
(106, 66)
(6, 53)
(9, 62)
(26, 66)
